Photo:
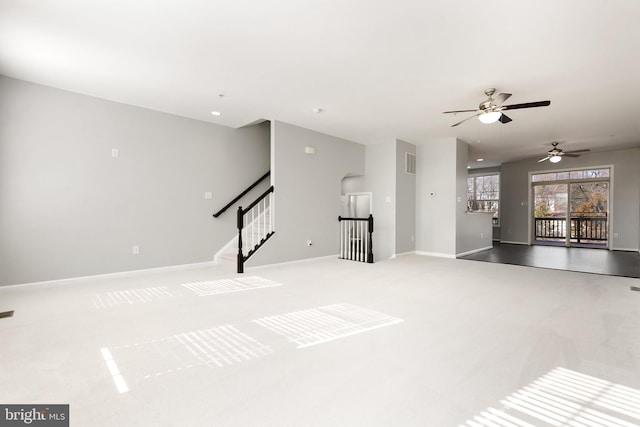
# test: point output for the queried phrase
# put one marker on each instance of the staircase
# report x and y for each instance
(255, 227)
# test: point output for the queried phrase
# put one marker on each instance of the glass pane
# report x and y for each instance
(550, 200)
(550, 213)
(589, 199)
(577, 174)
(589, 203)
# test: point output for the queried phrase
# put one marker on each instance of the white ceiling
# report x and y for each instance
(378, 69)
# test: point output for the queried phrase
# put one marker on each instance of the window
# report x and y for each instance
(566, 175)
(483, 194)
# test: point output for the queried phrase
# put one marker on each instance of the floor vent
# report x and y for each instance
(635, 288)
(4, 314)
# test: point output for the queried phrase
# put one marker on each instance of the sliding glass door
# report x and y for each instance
(571, 208)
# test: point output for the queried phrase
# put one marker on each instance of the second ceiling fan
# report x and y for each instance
(491, 110)
(555, 154)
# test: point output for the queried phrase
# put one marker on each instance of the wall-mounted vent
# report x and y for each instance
(410, 163)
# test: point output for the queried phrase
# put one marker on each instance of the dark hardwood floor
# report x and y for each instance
(586, 260)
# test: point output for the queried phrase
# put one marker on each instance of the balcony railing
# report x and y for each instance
(591, 228)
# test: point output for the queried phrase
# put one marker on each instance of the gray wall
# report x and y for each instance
(307, 192)
(405, 217)
(436, 214)
(381, 182)
(625, 206)
(69, 209)
(473, 231)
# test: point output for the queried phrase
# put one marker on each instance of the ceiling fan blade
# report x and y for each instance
(504, 118)
(468, 118)
(577, 151)
(527, 105)
(543, 159)
(565, 154)
(459, 111)
(501, 98)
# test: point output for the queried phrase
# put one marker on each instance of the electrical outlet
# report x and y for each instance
(615, 235)
(208, 195)
(482, 235)
(135, 250)
(115, 152)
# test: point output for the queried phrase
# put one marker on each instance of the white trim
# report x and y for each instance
(403, 254)
(473, 251)
(297, 261)
(625, 249)
(116, 275)
(514, 243)
(436, 254)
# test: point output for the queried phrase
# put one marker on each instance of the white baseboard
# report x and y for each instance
(297, 261)
(403, 254)
(514, 243)
(435, 254)
(474, 251)
(117, 275)
(625, 249)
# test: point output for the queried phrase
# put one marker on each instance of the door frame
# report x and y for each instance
(531, 202)
(361, 193)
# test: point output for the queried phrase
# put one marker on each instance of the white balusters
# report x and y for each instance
(258, 224)
(354, 239)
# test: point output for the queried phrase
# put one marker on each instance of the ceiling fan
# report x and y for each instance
(555, 154)
(491, 110)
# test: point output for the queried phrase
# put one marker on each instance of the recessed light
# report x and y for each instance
(480, 160)
(216, 113)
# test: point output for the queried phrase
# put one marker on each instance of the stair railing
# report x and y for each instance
(356, 239)
(241, 195)
(255, 226)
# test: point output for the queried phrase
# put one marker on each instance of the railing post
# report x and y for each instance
(240, 217)
(370, 231)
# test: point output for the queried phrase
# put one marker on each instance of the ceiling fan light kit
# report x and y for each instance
(555, 154)
(489, 117)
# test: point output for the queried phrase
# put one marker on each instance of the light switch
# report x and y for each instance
(208, 195)
(115, 152)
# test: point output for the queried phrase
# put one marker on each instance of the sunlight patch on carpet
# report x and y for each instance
(319, 325)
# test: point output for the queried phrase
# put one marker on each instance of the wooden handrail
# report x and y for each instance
(241, 195)
(258, 200)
